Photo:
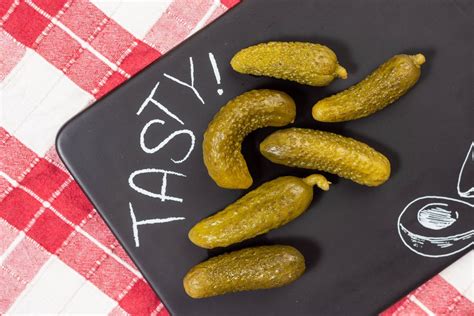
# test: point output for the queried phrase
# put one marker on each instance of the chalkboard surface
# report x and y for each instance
(137, 155)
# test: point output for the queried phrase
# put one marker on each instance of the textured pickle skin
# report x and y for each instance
(271, 205)
(225, 133)
(253, 268)
(305, 63)
(311, 149)
(382, 87)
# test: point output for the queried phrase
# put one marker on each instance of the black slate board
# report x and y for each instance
(357, 263)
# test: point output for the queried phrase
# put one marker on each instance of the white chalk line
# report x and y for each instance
(136, 223)
(162, 195)
(215, 68)
(164, 142)
(217, 74)
(399, 228)
(466, 235)
(160, 220)
(191, 66)
(470, 192)
(158, 104)
(434, 217)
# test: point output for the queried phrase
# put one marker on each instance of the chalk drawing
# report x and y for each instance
(150, 99)
(164, 182)
(435, 216)
(144, 142)
(464, 174)
(163, 143)
(417, 239)
(190, 86)
(428, 224)
(217, 74)
(152, 221)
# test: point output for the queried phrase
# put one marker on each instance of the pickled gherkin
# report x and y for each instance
(225, 133)
(305, 63)
(254, 268)
(311, 149)
(271, 205)
(382, 87)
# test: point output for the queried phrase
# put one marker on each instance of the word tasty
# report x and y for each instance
(162, 195)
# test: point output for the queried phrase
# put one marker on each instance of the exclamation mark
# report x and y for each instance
(216, 72)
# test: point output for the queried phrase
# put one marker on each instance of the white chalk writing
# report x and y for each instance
(217, 74)
(190, 86)
(163, 143)
(164, 181)
(147, 146)
(136, 223)
(150, 99)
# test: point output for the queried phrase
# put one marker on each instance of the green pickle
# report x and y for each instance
(382, 87)
(254, 268)
(306, 63)
(271, 205)
(225, 133)
(311, 149)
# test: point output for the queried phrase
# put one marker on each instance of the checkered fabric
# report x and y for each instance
(56, 58)
(451, 292)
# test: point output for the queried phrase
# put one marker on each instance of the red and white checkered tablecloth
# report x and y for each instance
(451, 292)
(56, 58)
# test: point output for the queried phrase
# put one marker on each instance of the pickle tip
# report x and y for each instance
(319, 180)
(418, 59)
(341, 72)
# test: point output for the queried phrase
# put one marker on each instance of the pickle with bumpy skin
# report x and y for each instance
(382, 87)
(255, 268)
(311, 149)
(305, 63)
(225, 133)
(271, 205)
